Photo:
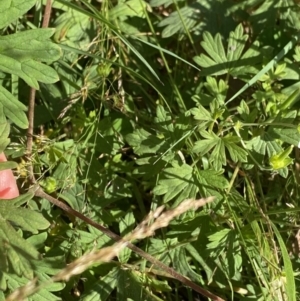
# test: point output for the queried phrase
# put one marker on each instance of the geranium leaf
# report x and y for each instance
(18, 252)
(174, 22)
(288, 135)
(177, 182)
(204, 146)
(27, 219)
(217, 62)
(182, 265)
(13, 109)
(236, 152)
(131, 8)
(19, 57)
(218, 144)
(102, 287)
(144, 142)
(14, 282)
(212, 178)
(264, 144)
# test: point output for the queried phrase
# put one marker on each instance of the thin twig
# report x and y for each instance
(160, 219)
(47, 14)
(30, 134)
(31, 105)
(40, 193)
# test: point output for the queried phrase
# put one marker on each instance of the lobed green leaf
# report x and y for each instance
(19, 57)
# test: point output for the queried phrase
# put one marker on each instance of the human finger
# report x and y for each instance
(8, 185)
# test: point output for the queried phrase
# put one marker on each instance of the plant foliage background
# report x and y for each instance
(144, 103)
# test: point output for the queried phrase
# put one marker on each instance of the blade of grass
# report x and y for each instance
(167, 52)
(264, 70)
(289, 274)
(96, 15)
(137, 75)
(175, 88)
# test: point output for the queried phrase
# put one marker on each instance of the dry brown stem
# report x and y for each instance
(161, 219)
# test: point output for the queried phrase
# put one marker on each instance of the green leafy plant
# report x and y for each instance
(158, 103)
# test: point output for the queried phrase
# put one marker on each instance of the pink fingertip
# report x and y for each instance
(8, 185)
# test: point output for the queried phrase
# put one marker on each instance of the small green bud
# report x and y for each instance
(49, 184)
(281, 159)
